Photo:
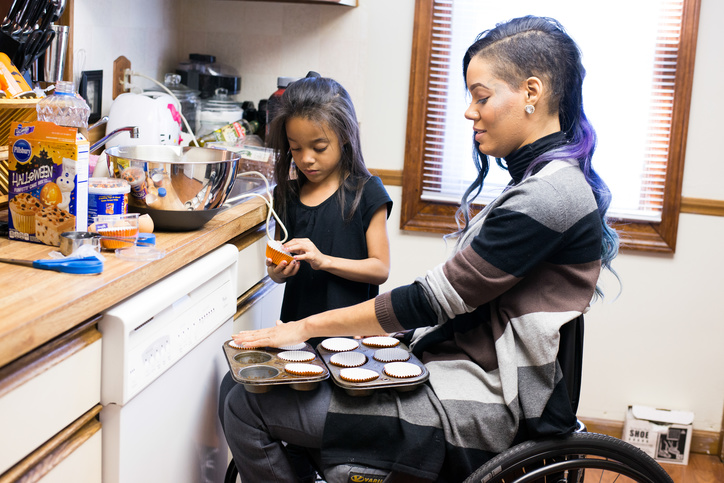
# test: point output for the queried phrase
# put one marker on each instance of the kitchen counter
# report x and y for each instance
(38, 305)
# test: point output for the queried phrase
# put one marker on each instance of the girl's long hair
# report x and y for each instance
(325, 101)
(539, 46)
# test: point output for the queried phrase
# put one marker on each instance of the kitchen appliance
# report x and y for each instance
(162, 364)
(181, 188)
(156, 115)
(187, 97)
(201, 72)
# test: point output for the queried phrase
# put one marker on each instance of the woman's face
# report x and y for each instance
(498, 113)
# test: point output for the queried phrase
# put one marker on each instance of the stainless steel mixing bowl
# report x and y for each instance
(180, 187)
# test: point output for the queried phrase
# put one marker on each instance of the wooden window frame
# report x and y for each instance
(439, 217)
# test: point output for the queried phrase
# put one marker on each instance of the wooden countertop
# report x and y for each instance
(38, 305)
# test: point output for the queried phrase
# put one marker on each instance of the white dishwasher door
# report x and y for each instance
(170, 431)
(162, 367)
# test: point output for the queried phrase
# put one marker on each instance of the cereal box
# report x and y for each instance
(48, 185)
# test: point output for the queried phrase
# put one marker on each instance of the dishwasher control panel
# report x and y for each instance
(149, 332)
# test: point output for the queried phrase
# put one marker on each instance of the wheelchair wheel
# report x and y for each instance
(231, 473)
(577, 458)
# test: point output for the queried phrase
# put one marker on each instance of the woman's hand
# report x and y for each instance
(305, 249)
(280, 335)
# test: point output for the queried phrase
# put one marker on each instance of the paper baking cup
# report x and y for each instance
(294, 347)
(391, 355)
(381, 341)
(348, 359)
(402, 369)
(339, 344)
(276, 252)
(357, 374)
(296, 356)
(303, 369)
(235, 345)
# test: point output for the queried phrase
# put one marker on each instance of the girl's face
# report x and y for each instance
(497, 112)
(315, 149)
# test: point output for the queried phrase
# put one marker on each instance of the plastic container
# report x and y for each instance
(107, 196)
(64, 107)
(121, 230)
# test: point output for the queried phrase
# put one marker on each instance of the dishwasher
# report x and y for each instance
(162, 364)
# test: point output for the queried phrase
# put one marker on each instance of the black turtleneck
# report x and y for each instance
(519, 160)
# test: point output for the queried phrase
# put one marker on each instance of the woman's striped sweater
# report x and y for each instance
(486, 326)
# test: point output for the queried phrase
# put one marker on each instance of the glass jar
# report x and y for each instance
(218, 111)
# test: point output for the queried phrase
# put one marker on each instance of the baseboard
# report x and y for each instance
(703, 442)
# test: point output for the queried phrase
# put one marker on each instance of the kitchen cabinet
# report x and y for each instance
(50, 348)
(49, 400)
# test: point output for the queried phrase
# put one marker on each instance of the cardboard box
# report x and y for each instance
(663, 434)
(48, 182)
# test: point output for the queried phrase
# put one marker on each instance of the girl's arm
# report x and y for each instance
(374, 269)
(357, 319)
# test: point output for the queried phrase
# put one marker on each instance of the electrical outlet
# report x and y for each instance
(119, 75)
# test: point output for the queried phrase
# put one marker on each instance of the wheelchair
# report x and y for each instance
(575, 458)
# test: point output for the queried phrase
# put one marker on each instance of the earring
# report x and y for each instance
(530, 108)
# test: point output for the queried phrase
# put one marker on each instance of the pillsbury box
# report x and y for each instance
(663, 434)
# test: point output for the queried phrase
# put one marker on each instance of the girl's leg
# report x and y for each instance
(256, 424)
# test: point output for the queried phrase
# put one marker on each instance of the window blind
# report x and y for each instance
(632, 162)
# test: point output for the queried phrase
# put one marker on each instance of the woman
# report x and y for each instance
(485, 323)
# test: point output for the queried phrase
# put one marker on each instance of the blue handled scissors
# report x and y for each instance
(85, 265)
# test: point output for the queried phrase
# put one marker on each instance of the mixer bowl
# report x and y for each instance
(180, 187)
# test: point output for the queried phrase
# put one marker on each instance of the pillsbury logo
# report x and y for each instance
(22, 150)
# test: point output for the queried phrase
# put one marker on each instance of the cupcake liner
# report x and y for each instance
(23, 223)
(299, 369)
(348, 359)
(129, 233)
(296, 356)
(402, 369)
(356, 374)
(394, 354)
(276, 252)
(380, 341)
(339, 344)
(294, 347)
(235, 345)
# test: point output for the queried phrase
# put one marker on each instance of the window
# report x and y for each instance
(639, 109)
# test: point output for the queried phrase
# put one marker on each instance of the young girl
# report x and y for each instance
(334, 210)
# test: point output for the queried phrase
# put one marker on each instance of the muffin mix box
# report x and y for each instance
(48, 182)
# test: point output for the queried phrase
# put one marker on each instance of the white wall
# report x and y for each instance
(659, 343)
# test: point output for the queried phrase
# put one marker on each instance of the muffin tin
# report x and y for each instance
(260, 369)
(383, 381)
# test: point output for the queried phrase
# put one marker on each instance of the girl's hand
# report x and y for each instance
(278, 336)
(279, 273)
(305, 249)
